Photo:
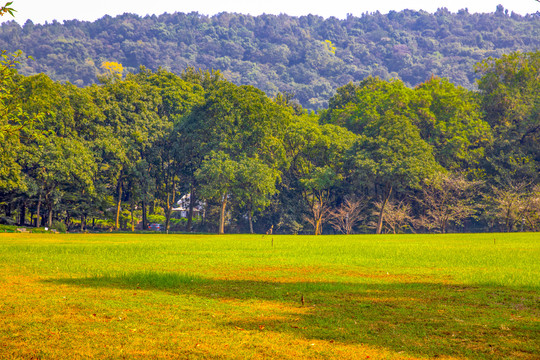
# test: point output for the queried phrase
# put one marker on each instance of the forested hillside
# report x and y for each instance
(308, 56)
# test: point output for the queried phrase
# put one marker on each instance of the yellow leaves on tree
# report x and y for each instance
(113, 69)
(330, 46)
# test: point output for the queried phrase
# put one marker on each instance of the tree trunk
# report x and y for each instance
(203, 219)
(31, 217)
(22, 214)
(250, 219)
(119, 204)
(318, 226)
(168, 218)
(144, 219)
(170, 203)
(222, 215)
(443, 228)
(49, 221)
(38, 211)
(67, 220)
(380, 222)
(191, 207)
(132, 211)
(83, 221)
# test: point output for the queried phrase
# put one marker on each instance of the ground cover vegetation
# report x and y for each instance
(452, 296)
(309, 56)
(383, 157)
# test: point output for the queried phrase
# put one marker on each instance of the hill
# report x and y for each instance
(308, 56)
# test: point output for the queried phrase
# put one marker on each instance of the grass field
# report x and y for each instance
(460, 296)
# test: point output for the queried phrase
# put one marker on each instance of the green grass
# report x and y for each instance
(119, 296)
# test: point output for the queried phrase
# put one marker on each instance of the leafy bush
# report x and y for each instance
(181, 221)
(160, 219)
(59, 226)
(105, 223)
(8, 228)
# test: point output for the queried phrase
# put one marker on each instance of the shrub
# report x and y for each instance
(59, 226)
(105, 223)
(160, 219)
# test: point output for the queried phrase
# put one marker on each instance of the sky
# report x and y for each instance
(40, 11)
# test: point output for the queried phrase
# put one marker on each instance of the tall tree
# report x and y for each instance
(442, 115)
(255, 183)
(12, 119)
(217, 176)
(393, 159)
(316, 169)
(389, 153)
(510, 89)
(450, 120)
(238, 122)
(177, 98)
(60, 161)
(131, 111)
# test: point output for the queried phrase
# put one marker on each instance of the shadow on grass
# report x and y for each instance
(419, 319)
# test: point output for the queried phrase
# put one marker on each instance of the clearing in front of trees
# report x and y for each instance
(285, 297)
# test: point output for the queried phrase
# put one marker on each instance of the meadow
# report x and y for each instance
(156, 296)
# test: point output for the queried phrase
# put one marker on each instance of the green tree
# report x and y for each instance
(316, 170)
(238, 121)
(12, 119)
(216, 177)
(177, 98)
(510, 90)
(450, 120)
(389, 154)
(449, 117)
(394, 158)
(255, 183)
(131, 112)
(61, 161)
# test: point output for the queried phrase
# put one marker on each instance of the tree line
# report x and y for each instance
(382, 157)
(309, 56)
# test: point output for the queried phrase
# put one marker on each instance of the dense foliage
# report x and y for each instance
(383, 157)
(307, 56)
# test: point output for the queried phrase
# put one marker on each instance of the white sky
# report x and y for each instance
(40, 11)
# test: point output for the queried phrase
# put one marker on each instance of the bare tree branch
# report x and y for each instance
(345, 217)
(448, 199)
(397, 215)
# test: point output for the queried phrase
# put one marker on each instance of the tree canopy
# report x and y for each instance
(151, 146)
